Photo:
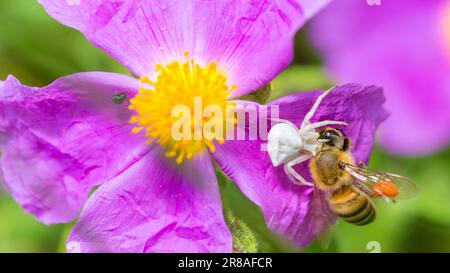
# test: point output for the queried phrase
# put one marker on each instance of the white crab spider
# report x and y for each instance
(290, 145)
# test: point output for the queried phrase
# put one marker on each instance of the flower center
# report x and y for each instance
(177, 101)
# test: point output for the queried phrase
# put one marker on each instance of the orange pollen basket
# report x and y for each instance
(385, 188)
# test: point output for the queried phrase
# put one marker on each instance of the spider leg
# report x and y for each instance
(292, 174)
(321, 124)
(313, 110)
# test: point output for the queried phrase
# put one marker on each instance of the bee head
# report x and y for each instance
(334, 138)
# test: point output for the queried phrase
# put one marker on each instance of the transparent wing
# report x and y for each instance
(381, 184)
(324, 218)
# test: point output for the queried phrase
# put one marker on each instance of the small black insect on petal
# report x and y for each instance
(119, 98)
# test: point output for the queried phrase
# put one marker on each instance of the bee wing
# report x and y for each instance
(324, 218)
(366, 179)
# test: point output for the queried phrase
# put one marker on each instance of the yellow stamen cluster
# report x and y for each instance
(179, 83)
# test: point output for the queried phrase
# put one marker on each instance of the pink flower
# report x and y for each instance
(403, 46)
(156, 194)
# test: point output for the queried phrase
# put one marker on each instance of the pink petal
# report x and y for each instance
(155, 206)
(59, 141)
(252, 40)
(399, 46)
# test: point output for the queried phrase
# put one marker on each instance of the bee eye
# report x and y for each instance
(331, 134)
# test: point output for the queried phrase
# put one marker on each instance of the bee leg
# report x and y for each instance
(313, 110)
(361, 164)
(292, 174)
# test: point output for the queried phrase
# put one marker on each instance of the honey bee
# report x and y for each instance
(347, 189)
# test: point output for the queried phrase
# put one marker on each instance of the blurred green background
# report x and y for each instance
(37, 50)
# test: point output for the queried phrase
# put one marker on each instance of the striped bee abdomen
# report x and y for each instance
(352, 206)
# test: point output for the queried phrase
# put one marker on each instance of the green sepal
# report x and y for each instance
(244, 241)
(260, 96)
